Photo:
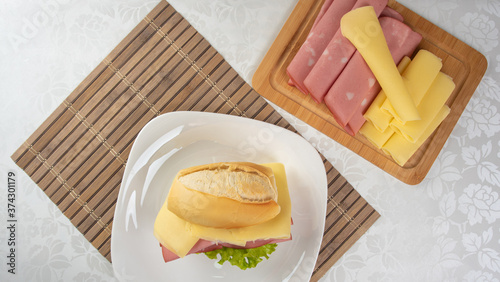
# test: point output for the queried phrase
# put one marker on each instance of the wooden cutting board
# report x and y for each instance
(79, 153)
(466, 65)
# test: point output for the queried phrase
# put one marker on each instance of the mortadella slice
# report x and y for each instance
(200, 247)
(322, 12)
(335, 57)
(356, 122)
(203, 246)
(390, 12)
(316, 41)
(357, 86)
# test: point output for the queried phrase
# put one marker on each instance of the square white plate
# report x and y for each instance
(177, 140)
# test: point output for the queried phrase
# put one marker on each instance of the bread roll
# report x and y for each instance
(224, 195)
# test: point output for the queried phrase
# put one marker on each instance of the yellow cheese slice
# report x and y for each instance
(419, 76)
(373, 135)
(380, 119)
(431, 104)
(279, 227)
(173, 232)
(403, 64)
(179, 236)
(401, 150)
(362, 28)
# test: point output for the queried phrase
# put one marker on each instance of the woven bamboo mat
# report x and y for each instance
(78, 155)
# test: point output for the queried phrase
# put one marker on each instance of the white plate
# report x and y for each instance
(178, 140)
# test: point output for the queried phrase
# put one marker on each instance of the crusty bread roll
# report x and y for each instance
(224, 195)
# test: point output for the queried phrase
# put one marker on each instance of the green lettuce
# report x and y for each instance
(243, 258)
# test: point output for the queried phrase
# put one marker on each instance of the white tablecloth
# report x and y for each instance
(444, 229)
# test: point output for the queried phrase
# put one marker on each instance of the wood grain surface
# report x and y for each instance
(464, 64)
(78, 155)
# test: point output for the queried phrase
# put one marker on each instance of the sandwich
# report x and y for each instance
(231, 211)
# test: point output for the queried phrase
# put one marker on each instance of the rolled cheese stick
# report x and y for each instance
(357, 85)
(335, 57)
(429, 107)
(362, 28)
(419, 76)
(401, 150)
(374, 114)
(373, 135)
(318, 38)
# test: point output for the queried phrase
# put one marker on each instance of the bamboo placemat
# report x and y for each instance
(78, 155)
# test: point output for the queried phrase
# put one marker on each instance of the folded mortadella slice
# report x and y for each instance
(322, 12)
(357, 86)
(316, 41)
(390, 12)
(335, 57)
(353, 126)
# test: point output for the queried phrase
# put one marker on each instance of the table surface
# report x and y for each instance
(445, 228)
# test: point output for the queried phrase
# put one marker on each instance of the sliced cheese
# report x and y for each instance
(373, 135)
(419, 76)
(279, 227)
(401, 149)
(173, 232)
(179, 236)
(403, 64)
(431, 104)
(362, 28)
(381, 119)
(376, 116)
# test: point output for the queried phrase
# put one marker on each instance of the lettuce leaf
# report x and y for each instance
(243, 258)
